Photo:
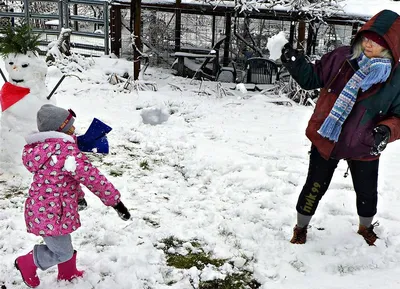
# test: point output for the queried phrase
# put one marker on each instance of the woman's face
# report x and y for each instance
(371, 48)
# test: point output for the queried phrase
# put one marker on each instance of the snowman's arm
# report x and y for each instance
(55, 87)
(2, 75)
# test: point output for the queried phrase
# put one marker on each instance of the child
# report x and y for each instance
(51, 209)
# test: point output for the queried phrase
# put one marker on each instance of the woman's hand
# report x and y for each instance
(381, 137)
(288, 53)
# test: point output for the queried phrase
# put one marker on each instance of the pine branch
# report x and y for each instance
(18, 39)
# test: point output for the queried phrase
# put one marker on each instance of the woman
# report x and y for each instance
(357, 114)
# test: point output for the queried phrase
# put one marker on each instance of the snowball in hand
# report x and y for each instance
(275, 45)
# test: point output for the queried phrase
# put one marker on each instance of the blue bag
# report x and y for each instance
(95, 138)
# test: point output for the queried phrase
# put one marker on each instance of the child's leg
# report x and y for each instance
(57, 250)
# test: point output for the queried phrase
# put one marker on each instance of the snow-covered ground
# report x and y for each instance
(224, 171)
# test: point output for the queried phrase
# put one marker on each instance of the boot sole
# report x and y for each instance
(16, 267)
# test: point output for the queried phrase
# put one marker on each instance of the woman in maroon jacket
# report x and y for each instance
(357, 114)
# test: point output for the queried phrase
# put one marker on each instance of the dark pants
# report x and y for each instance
(320, 172)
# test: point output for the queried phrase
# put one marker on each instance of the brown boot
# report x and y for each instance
(299, 235)
(368, 233)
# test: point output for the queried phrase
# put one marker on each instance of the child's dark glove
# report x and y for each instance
(122, 211)
(288, 53)
(82, 204)
(381, 136)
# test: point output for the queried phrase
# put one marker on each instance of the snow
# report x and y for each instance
(54, 159)
(19, 120)
(70, 164)
(53, 22)
(353, 8)
(241, 87)
(224, 171)
(154, 115)
(275, 45)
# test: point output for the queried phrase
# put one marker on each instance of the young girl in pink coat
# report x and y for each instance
(51, 209)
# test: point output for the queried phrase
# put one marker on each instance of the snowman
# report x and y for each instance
(21, 96)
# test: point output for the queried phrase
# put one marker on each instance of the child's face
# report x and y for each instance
(71, 130)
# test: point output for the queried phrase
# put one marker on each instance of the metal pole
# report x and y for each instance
(60, 15)
(66, 11)
(136, 54)
(26, 12)
(178, 25)
(106, 29)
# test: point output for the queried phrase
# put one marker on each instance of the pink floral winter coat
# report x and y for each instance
(59, 167)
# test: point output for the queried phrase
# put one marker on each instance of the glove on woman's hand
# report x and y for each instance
(288, 53)
(381, 136)
(122, 211)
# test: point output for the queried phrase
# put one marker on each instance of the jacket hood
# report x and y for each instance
(387, 24)
(51, 142)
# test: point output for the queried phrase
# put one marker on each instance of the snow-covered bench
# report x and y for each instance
(183, 60)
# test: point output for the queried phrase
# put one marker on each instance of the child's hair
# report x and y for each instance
(54, 118)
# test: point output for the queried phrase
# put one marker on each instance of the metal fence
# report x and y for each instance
(158, 35)
(88, 20)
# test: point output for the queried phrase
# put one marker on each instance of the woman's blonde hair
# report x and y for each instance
(357, 49)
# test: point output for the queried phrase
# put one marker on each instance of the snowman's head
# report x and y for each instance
(26, 70)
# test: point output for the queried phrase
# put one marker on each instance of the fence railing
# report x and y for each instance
(65, 16)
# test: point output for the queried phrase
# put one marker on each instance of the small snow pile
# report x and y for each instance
(275, 45)
(59, 54)
(154, 115)
(241, 87)
(70, 164)
(73, 63)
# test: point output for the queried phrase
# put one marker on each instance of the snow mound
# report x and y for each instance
(154, 115)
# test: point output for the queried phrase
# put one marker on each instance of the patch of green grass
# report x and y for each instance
(144, 165)
(135, 141)
(199, 259)
(116, 173)
(127, 148)
(151, 222)
(171, 242)
(12, 192)
(241, 280)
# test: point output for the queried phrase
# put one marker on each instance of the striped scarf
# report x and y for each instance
(372, 71)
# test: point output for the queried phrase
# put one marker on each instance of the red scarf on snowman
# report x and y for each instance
(11, 94)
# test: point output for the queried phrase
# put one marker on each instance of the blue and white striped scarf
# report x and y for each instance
(372, 70)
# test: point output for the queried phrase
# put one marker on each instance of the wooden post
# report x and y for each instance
(136, 53)
(115, 29)
(310, 38)
(292, 29)
(178, 24)
(132, 15)
(354, 30)
(213, 31)
(228, 33)
(301, 35)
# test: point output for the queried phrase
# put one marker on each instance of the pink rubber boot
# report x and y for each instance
(67, 271)
(26, 266)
